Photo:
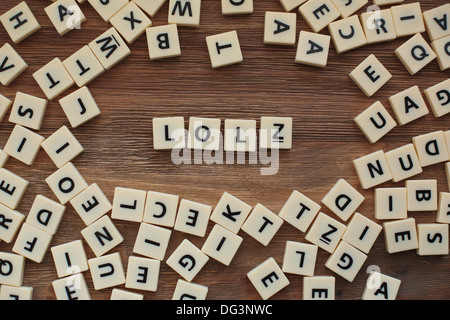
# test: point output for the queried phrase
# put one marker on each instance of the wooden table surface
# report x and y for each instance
(322, 102)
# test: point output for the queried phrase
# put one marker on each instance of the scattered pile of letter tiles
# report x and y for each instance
(348, 245)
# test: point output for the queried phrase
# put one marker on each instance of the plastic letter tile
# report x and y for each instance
(347, 34)
(313, 49)
(168, 133)
(131, 22)
(408, 19)
(362, 232)
(65, 15)
(119, 294)
(128, 204)
(192, 218)
(447, 139)
(268, 278)
(161, 209)
(415, 54)
(372, 169)
(12, 188)
(224, 49)
(433, 239)
(5, 103)
(19, 22)
(343, 199)
(299, 258)
(69, 258)
(150, 7)
(391, 204)
(442, 49)
(107, 271)
(280, 28)
(110, 48)
(346, 261)
(381, 287)
(240, 135)
(319, 13)
(152, 241)
(142, 274)
(66, 182)
(53, 79)
(79, 107)
(102, 236)
(185, 12)
(3, 158)
(23, 144)
(370, 75)
(403, 162)
(45, 214)
(299, 211)
(290, 5)
(12, 64)
(83, 66)
(438, 97)
(447, 170)
(189, 291)
(13, 275)
(325, 232)
(378, 26)
(262, 224)
(222, 245)
(319, 288)
(230, 212)
(16, 293)
(431, 148)
(163, 42)
(28, 111)
(347, 8)
(32, 243)
(437, 22)
(443, 214)
(187, 260)
(107, 9)
(91, 204)
(204, 133)
(276, 133)
(237, 7)
(62, 146)
(375, 122)
(386, 2)
(400, 235)
(71, 288)
(422, 195)
(11, 220)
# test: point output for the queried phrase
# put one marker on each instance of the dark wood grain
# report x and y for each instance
(323, 103)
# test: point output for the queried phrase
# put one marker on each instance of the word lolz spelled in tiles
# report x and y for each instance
(204, 133)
